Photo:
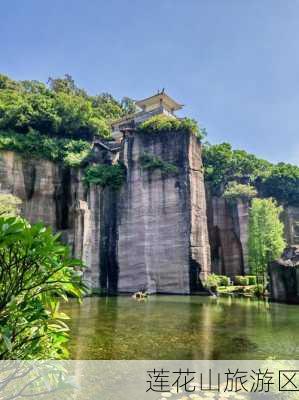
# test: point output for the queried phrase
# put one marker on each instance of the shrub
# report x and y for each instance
(151, 162)
(223, 280)
(251, 280)
(164, 123)
(240, 280)
(259, 290)
(105, 175)
(236, 190)
(212, 281)
(69, 151)
(36, 272)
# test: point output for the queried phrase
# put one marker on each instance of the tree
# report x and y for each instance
(128, 105)
(36, 272)
(283, 184)
(236, 191)
(266, 235)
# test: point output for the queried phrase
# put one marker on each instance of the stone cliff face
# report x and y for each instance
(158, 232)
(284, 277)
(152, 234)
(163, 240)
(228, 224)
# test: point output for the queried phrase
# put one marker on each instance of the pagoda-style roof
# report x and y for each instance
(159, 98)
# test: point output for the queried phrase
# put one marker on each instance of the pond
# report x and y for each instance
(183, 328)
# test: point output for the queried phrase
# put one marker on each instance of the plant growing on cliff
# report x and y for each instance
(235, 190)
(266, 235)
(69, 151)
(35, 273)
(105, 175)
(150, 162)
(164, 123)
(9, 205)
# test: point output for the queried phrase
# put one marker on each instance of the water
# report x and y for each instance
(182, 327)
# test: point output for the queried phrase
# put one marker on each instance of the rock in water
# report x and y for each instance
(284, 276)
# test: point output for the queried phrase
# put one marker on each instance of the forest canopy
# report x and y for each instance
(224, 165)
(58, 108)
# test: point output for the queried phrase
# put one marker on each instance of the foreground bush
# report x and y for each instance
(36, 272)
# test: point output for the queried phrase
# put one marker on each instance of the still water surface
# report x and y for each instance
(182, 327)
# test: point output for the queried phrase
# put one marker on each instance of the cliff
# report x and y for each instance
(163, 240)
(284, 277)
(228, 225)
(162, 231)
(151, 234)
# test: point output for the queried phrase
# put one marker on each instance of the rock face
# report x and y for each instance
(163, 240)
(228, 225)
(152, 234)
(284, 277)
(291, 223)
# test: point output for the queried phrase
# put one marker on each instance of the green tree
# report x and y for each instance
(222, 164)
(283, 184)
(266, 235)
(36, 272)
(128, 105)
(236, 190)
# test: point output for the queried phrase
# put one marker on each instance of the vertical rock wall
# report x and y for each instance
(291, 223)
(228, 224)
(153, 233)
(162, 230)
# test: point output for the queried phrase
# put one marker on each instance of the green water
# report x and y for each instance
(182, 327)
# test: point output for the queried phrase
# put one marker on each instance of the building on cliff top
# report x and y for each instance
(159, 103)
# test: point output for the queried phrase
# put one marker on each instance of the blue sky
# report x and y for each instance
(233, 63)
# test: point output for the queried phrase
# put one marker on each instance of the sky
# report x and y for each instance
(234, 64)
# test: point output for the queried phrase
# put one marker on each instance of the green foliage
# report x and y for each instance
(9, 205)
(236, 190)
(128, 105)
(151, 163)
(258, 290)
(266, 234)
(223, 280)
(222, 164)
(164, 123)
(36, 272)
(212, 281)
(71, 152)
(252, 280)
(60, 109)
(282, 184)
(105, 175)
(240, 280)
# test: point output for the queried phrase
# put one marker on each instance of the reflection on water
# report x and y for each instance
(183, 328)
